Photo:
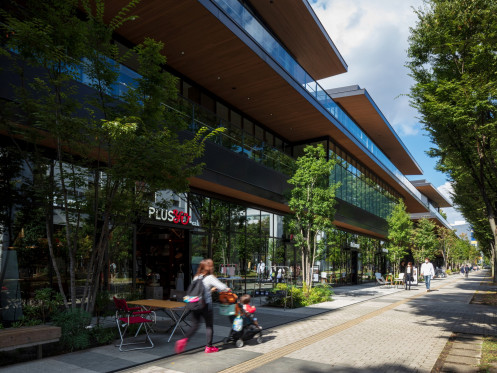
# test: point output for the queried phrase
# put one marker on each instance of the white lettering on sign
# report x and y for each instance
(173, 216)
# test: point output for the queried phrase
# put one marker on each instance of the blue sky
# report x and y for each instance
(372, 37)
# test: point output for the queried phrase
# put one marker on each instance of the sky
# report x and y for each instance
(372, 37)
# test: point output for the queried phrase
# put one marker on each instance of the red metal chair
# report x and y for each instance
(126, 316)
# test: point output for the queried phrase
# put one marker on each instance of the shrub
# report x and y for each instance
(319, 294)
(102, 305)
(25, 321)
(298, 297)
(448, 272)
(75, 334)
(41, 308)
(103, 336)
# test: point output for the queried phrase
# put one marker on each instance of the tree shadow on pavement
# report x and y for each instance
(452, 310)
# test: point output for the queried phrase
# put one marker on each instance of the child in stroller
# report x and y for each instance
(250, 327)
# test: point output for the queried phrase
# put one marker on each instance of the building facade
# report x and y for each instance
(251, 67)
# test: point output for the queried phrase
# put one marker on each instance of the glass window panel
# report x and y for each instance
(219, 215)
(200, 209)
(259, 133)
(207, 102)
(185, 87)
(248, 126)
(253, 221)
(266, 221)
(238, 218)
(200, 250)
(269, 139)
(222, 111)
(236, 119)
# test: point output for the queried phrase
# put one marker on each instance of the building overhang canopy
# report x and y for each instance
(431, 192)
(298, 27)
(362, 109)
(430, 216)
(222, 59)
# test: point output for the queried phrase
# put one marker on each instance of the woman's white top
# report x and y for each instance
(210, 282)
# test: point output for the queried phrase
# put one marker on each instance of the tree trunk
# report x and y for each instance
(49, 228)
(493, 247)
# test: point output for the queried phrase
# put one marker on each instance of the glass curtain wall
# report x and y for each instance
(359, 186)
(349, 258)
(237, 238)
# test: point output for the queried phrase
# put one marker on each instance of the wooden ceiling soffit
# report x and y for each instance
(199, 47)
(365, 114)
(354, 229)
(433, 194)
(297, 26)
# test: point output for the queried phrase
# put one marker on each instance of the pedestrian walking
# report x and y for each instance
(408, 275)
(279, 276)
(261, 268)
(205, 272)
(428, 272)
(466, 271)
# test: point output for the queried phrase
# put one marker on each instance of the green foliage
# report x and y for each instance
(42, 307)
(299, 297)
(425, 241)
(453, 61)
(400, 232)
(128, 146)
(447, 239)
(74, 323)
(312, 201)
(102, 303)
(26, 321)
(103, 336)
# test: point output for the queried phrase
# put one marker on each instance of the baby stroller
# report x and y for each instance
(232, 308)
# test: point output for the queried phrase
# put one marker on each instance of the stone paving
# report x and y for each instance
(366, 328)
(464, 354)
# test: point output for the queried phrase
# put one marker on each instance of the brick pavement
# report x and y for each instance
(407, 337)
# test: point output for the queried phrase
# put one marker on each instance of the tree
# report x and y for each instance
(447, 240)
(399, 232)
(113, 148)
(312, 202)
(425, 241)
(470, 204)
(453, 61)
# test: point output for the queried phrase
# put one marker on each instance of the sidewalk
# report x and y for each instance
(372, 337)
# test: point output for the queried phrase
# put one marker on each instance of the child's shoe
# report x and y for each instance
(180, 345)
(211, 349)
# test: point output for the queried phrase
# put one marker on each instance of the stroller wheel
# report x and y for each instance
(239, 343)
(226, 340)
(259, 339)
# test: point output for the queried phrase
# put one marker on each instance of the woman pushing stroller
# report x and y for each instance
(205, 272)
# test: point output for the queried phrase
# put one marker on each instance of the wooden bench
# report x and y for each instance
(28, 336)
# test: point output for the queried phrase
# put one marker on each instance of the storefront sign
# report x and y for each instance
(171, 216)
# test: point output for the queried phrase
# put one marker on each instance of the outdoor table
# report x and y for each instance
(168, 306)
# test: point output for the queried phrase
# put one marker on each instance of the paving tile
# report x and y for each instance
(466, 346)
(457, 368)
(468, 353)
(369, 344)
(458, 359)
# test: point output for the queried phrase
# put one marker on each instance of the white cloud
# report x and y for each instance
(453, 215)
(372, 38)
